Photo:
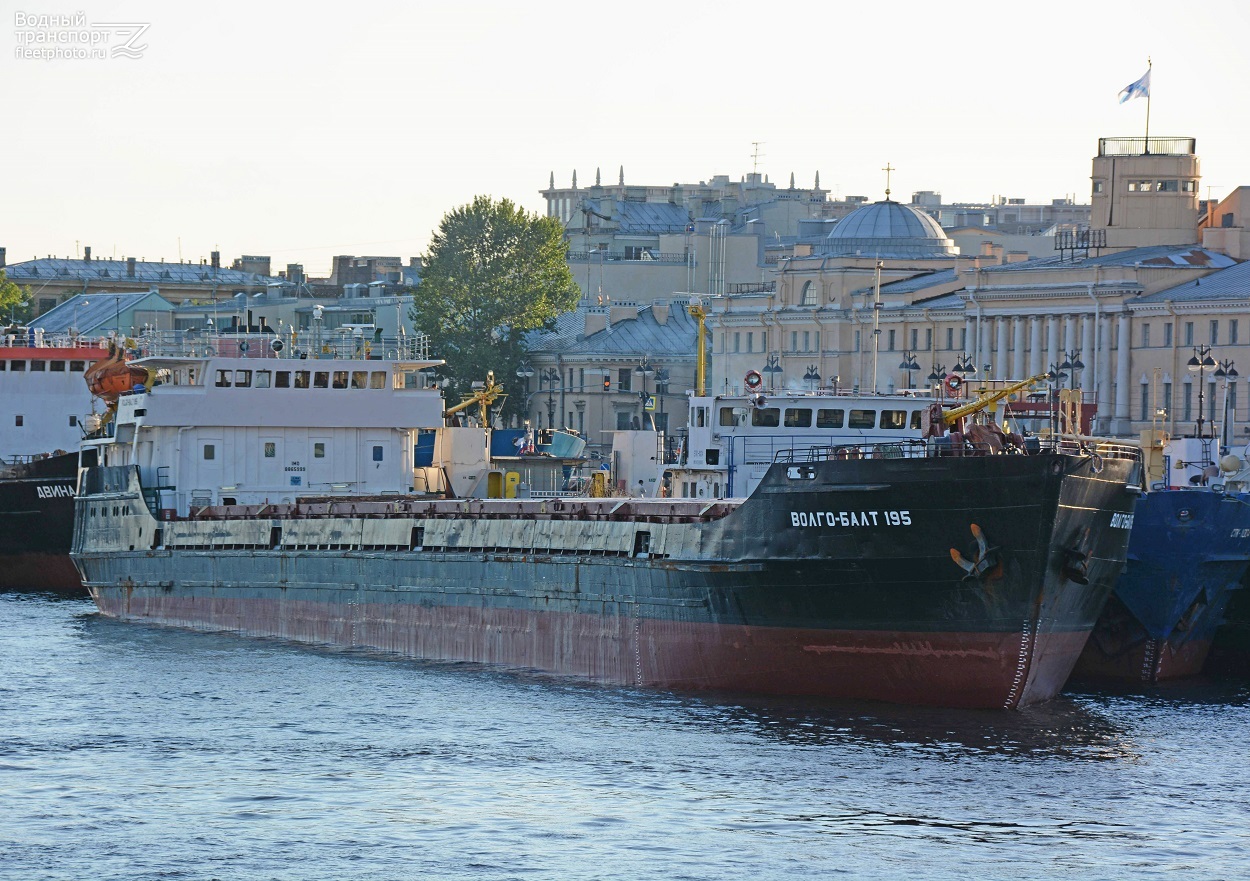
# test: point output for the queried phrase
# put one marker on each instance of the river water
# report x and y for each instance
(134, 752)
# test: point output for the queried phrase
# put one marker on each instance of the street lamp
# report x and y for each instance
(908, 364)
(1227, 372)
(550, 376)
(1200, 363)
(964, 366)
(1073, 362)
(938, 374)
(771, 369)
(661, 389)
(643, 370)
(812, 377)
(1055, 376)
(524, 372)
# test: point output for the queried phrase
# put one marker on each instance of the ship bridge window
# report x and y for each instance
(223, 379)
(243, 378)
(4, 365)
(377, 379)
(798, 418)
(38, 366)
(377, 454)
(282, 379)
(893, 419)
(360, 379)
(701, 417)
(264, 378)
(57, 366)
(321, 379)
(915, 418)
(730, 416)
(319, 450)
(830, 418)
(340, 379)
(17, 365)
(271, 449)
(77, 366)
(862, 419)
(301, 378)
(766, 417)
(17, 420)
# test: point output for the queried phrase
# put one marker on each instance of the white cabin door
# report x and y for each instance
(378, 465)
(320, 460)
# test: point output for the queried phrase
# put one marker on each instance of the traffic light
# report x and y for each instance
(607, 383)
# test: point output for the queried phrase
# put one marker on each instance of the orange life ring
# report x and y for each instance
(952, 385)
(753, 379)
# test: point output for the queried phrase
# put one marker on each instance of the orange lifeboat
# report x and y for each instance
(111, 377)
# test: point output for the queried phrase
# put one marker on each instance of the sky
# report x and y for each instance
(301, 131)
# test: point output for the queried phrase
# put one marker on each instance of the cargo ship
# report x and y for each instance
(946, 570)
(45, 401)
(1188, 553)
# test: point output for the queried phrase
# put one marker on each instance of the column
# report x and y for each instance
(1052, 341)
(982, 354)
(1102, 356)
(1035, 346)
(1122, 419)
(1089, 376)
(969, 344)
(1002, 370)
(1017, 349)
(1069, 336)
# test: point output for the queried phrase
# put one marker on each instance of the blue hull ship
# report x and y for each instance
(1188, 552)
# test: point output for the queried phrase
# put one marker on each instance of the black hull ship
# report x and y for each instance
(940, 571)
(37, 524)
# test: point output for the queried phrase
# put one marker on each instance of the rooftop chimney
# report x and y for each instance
(659, 309)
(216, 259)
(595, 322)
(130, 267)
(2, 259)
(86, 254)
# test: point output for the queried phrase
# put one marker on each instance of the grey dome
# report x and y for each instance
(888, 229)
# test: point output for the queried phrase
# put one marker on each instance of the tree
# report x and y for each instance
(14, 301)
(493, 273)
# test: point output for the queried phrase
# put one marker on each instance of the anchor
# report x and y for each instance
(985, 558)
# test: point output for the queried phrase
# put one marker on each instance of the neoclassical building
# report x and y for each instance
(886, 301)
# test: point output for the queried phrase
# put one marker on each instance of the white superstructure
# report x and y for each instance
(43, 398)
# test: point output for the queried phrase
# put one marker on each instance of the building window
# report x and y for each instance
(1098, 187)
(890, 345)
(622, 420)
(1145, 335)
(1215, 332)
(807, 341)
(750, 341)
(1189, 333)
(809, 294)
(1167, 397)
(963, 339)
(1145, 402)
(950, 339)
(915, 339)
(1167, 334)
(1187, 401)
(1189, 186)
(928, 339)
(1232, 331)
(624, 378)
(1167, 186)
(737, 341)
(1232, 401)
(1141, 186)
(857, 340)
(794, 341)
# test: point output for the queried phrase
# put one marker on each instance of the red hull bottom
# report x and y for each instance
(40, 572)
(1149, 662)
(955, 669)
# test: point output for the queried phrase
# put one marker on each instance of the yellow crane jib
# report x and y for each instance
(950, 417)
(489, 392)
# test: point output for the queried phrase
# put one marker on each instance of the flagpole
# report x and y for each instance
(1149, 67)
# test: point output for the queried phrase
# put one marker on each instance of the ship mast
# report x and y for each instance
(699, 313)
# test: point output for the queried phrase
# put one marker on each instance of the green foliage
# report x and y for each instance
(15, 301)
(493, 272)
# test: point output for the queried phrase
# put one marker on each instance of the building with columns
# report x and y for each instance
(886, 302)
